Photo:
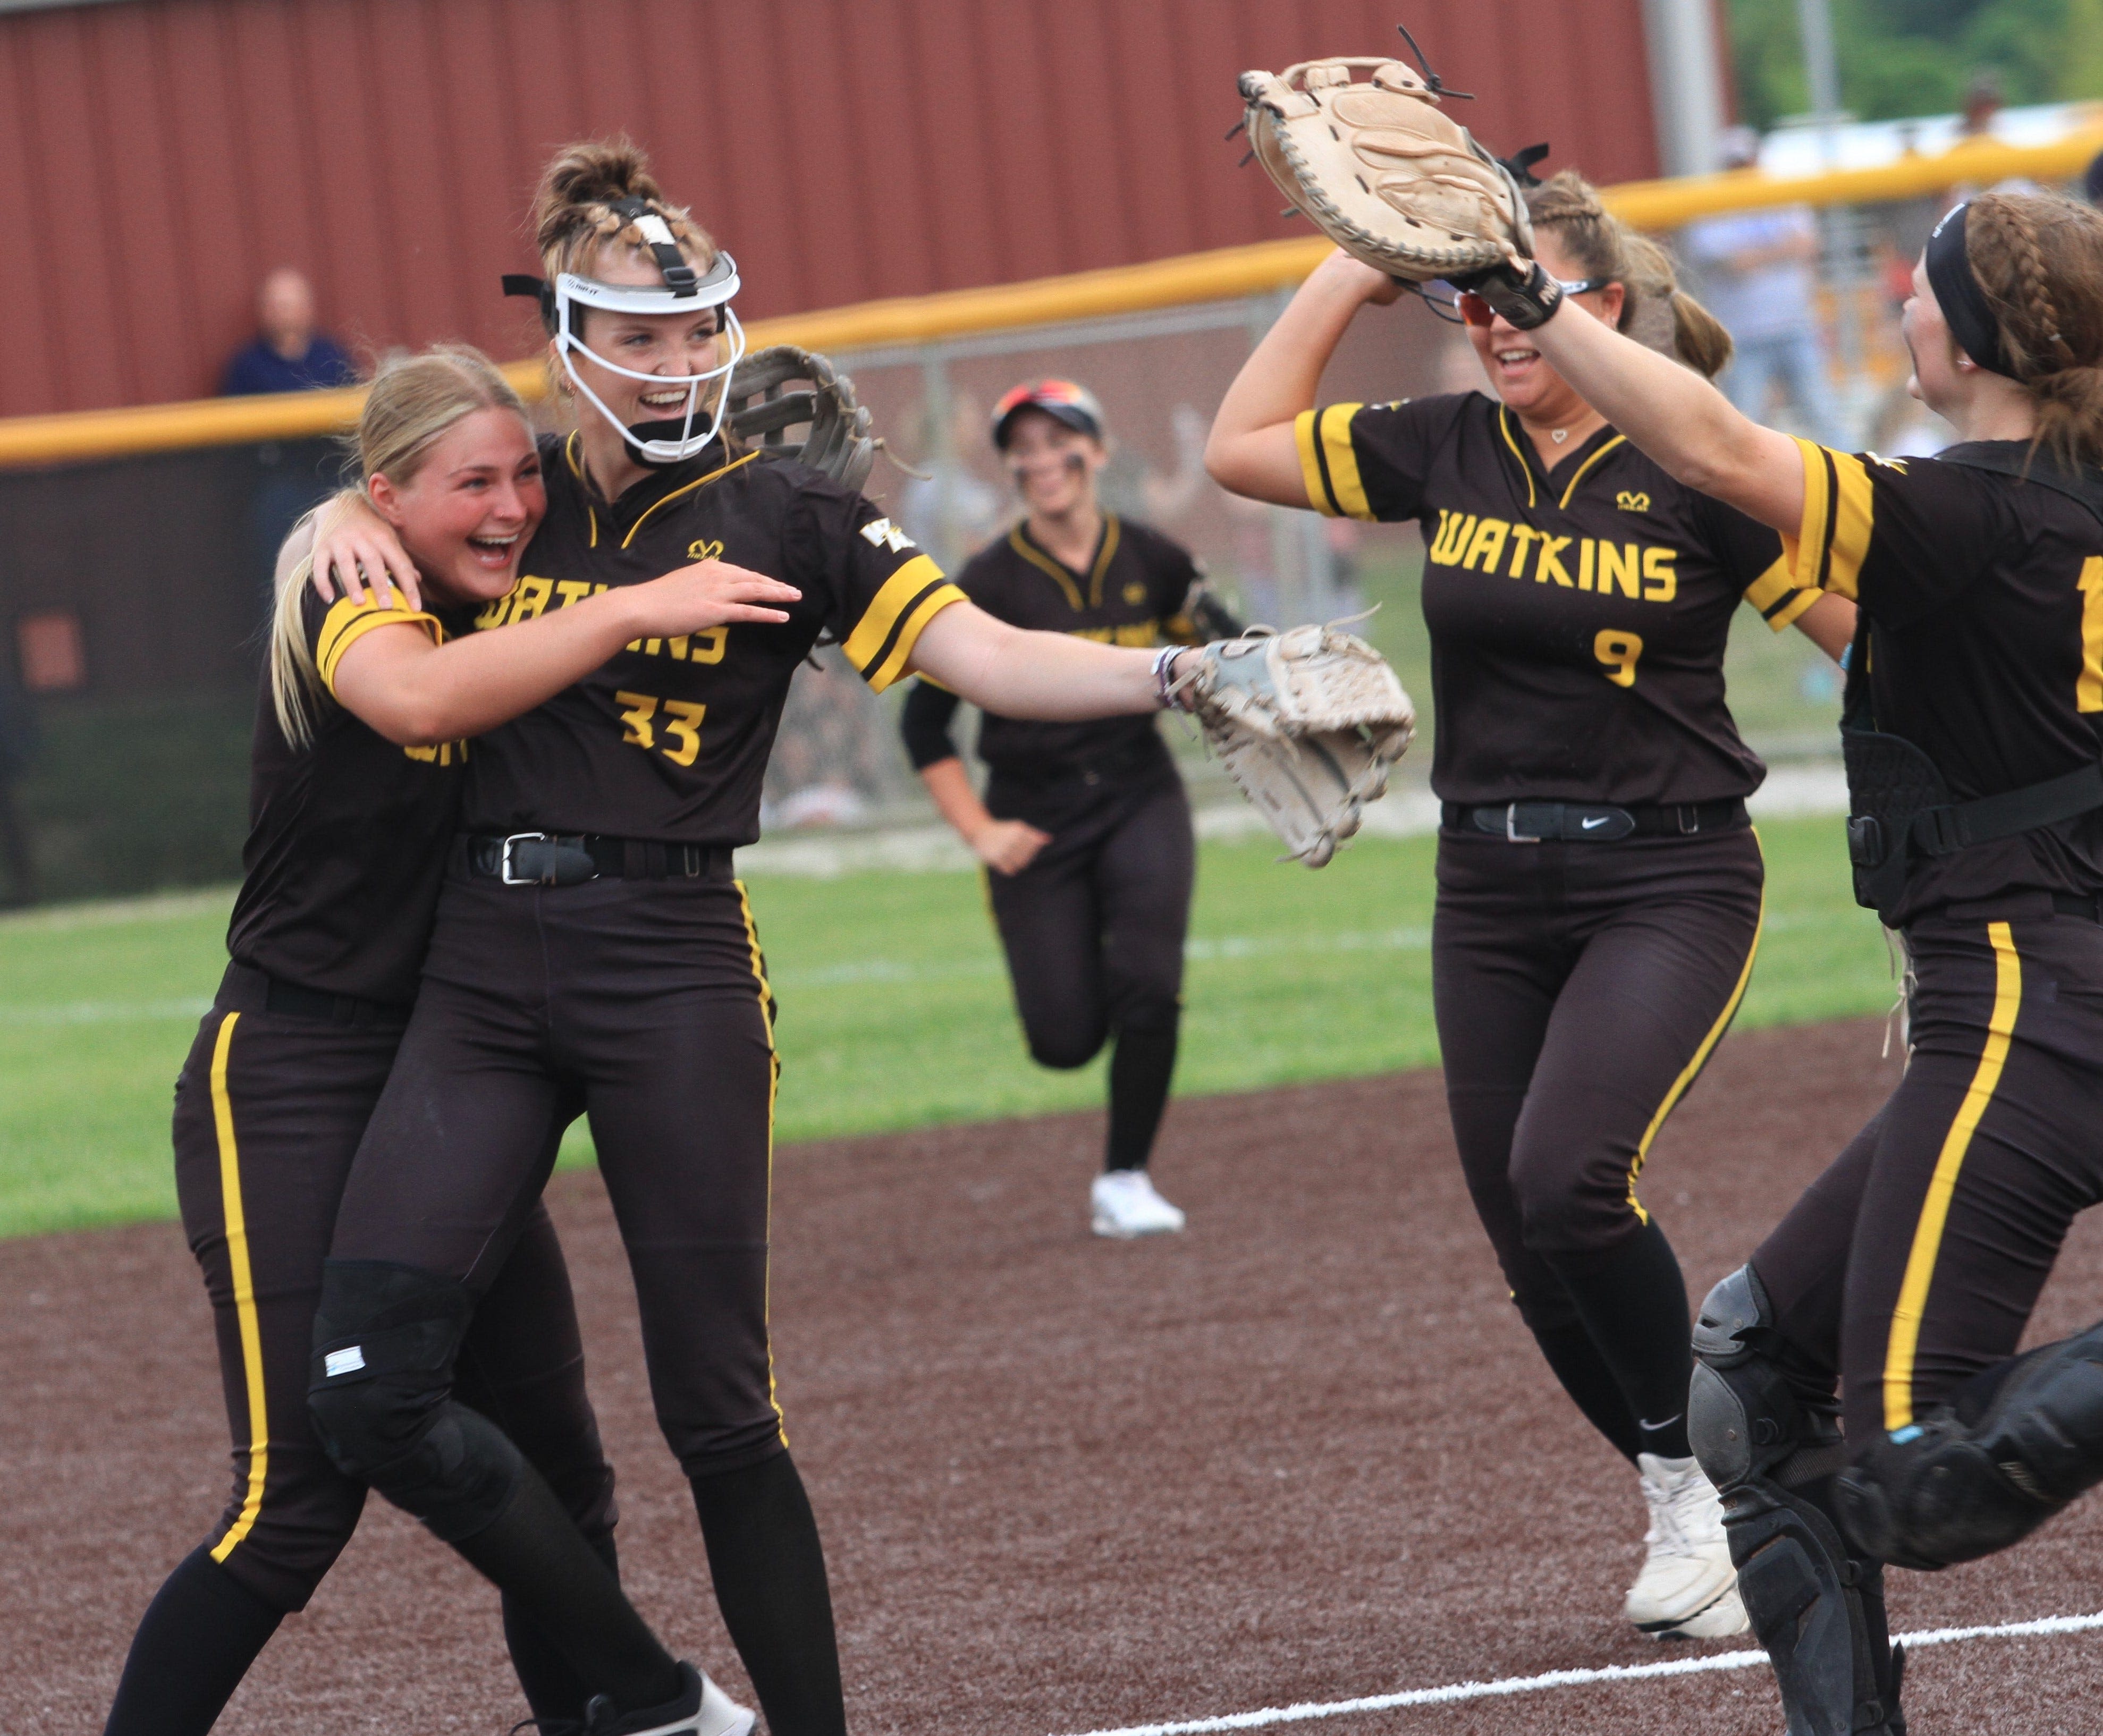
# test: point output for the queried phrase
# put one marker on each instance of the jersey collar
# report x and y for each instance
(1558, 483)
(1069, 581)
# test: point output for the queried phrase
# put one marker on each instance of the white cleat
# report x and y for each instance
(702, 1709)
(1687, 1589)
(1125, 1205)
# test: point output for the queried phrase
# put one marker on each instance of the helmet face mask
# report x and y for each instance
(682, 291)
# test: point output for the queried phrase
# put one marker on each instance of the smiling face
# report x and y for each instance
(469, 508)
(1518, 372)
(1054, 466)
(664, 345)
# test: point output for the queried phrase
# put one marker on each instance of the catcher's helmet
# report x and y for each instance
(674, 440)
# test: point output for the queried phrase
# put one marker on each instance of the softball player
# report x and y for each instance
(592, 950)
(1085, 827)
(344, 863)
(1599, 888)
(1907, 1274)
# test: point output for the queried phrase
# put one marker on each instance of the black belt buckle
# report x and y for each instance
(542, 858)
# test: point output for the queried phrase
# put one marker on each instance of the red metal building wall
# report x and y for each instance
(158, 157)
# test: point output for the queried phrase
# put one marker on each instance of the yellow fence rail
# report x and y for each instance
(1222, 274)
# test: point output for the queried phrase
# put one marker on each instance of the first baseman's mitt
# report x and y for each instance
(1382, 170)
(836, 437)
(1307, 722)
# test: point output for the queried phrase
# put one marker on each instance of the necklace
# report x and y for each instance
(1558, 435)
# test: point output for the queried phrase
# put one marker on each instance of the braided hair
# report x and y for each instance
(573, 215)
(2039, 258)
(1655, 311)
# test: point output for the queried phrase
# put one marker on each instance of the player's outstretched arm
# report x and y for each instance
(1678, 419)
(1051, 677)
(416, 693)
(1253, 451)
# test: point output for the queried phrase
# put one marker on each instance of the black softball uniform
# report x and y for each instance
(1912, 1266)
(639, 996)
(345, 853)
(1599, 890)
(1093, 928)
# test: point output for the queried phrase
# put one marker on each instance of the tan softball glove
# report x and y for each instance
(1307, 723)
(782, 389)
(1382, 170)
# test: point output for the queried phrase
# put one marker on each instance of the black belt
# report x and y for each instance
(570, 858)
(342, 1009)
(2070, 904)
(1592, 822)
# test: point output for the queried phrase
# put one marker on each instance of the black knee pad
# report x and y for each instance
(1767, 1447)
(1946, 1490)
(381, 1394)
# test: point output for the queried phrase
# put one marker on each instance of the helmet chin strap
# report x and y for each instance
(662, 441)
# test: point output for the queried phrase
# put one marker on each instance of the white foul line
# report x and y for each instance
(1617, 1673)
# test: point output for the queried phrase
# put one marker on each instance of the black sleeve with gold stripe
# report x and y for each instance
(332, 628)
(879, 590)
(1370, 461)
(1759, 559)
(1900, 535)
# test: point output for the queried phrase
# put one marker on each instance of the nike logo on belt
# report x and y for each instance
(1588, 824)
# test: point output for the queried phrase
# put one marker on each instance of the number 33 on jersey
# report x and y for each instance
(679, 730)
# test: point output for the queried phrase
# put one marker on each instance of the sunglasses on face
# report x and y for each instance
(1463, 307)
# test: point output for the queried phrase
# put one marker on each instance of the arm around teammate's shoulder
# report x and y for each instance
(412, 690)
(1253, 449)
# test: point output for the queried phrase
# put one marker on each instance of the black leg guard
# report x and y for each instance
(385, 1340)
(1956, 1487)
(1769, 1449)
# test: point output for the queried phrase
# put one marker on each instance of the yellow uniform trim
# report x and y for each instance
(1839, 517)
(1776, 595)
(1310, 465)
(901, 596)
(1618, 440)
(722, 470)
(1104, 557)
(348, 621)
(1904, 1339)
(1692, 1071)
(908, 634)
(773, 1090)
(577, 470)
(1344, 485)
(1044, 563)
(1503, 428)
(244, 1292)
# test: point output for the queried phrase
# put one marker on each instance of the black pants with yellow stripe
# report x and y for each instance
(643, 1005)
(1579, 989)
(1912, 1265)
(269, 1109)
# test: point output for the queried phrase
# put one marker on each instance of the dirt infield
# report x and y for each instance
(1304, 1452)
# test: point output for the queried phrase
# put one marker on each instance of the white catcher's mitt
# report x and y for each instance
(1382, 170)
(1307, 722)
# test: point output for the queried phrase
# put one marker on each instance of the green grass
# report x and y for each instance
(895, 1007)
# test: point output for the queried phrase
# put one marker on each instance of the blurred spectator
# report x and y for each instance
(1984, 98)
(1757, 277)
(290, 352)
(1132, 488)
(17, 749)
(948, 508)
